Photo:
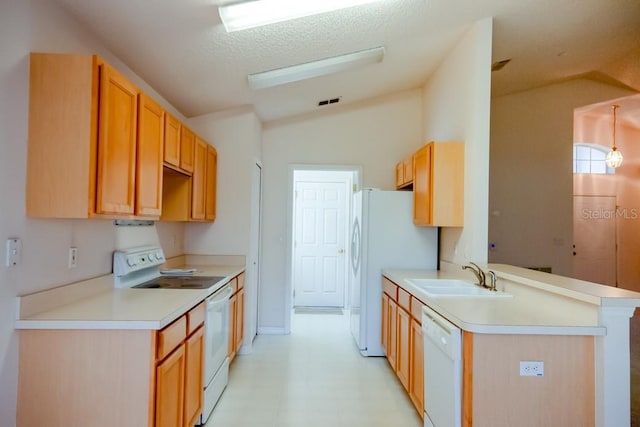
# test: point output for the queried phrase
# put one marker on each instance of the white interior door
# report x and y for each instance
(319, 255)
(594, 237)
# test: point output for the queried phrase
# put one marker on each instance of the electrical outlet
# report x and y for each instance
(531, 368)
(73, 257)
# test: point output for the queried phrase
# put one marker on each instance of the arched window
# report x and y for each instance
(589, 158)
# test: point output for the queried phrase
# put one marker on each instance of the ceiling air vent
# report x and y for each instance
(499, 65)
(328, 101)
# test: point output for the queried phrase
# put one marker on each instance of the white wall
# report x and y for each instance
(237, 136)
(531, 173)
(457, 100)
(39, 25)
(373, 135)
(237, 139)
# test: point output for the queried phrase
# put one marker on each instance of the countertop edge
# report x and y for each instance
(58, 320)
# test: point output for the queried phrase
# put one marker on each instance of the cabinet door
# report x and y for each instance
(239, 326)
(187, 145)
(407, 166)
(194, 373)
(117, 122)
(170, 390)
(198, 183)
(385, 324)
(233, 308)
(171, 140)
(210, 185)
(422, 186)
(149, 158)
(403, 350)
(399, 174)
(416, 367)
(393, 333)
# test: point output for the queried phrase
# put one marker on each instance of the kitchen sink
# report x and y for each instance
(455, 288)
(440, 283)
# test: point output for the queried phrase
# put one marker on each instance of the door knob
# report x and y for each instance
(340, 251)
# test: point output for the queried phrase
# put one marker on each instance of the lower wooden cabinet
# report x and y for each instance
(416, 366)
(403, 346)
(170, 390)
(236, 315)
(194, 377)
(124, 378)
(385, 323)
(402, 339)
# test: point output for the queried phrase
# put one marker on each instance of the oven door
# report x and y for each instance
(216, 332)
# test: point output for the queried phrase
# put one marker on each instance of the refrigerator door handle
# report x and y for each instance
(355, 246)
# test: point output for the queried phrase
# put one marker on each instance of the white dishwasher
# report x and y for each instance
(442, 371)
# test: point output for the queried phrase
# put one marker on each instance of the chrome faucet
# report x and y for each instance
(493, 280)
(477, 271)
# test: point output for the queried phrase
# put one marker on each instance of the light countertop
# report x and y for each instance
(540, 303)
(125, 308)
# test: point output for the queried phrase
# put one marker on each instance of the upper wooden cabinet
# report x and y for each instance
(211, 183)
(171, 140)
(192, 198)
(149, 157)
(404, 173)
(83, 142)
(117, 134)
(179, 146)
(187, 149)
(438, 185)
(199, 180)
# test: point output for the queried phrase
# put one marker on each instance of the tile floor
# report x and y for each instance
(314, 377)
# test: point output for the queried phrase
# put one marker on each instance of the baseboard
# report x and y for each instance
(269, 330)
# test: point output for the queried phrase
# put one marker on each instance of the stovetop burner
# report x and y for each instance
(181, 282)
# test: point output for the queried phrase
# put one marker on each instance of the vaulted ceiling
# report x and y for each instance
(182, 50)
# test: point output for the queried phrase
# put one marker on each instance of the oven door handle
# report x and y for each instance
(219, 298)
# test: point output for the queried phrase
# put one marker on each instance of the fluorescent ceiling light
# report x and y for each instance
(255, 13)
(318, 68)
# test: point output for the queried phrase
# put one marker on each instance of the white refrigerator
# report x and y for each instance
(383, 236)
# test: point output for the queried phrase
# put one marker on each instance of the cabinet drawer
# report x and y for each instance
(195, 317)
(390, 288)
(171, 336)
(404, 299)
(416, 309)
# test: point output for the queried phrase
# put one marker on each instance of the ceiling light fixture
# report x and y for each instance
(614, 157)
(318, 68)
(255, 13)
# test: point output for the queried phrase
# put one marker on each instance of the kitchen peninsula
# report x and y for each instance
(580, 330)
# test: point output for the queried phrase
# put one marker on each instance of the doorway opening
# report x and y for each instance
(606, 203)
(319, 229)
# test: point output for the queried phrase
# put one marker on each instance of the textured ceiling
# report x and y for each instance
(181, 48)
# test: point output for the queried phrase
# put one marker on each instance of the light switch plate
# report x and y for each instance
(73, 257)
(14, 251)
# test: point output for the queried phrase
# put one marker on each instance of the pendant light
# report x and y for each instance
(614, 157)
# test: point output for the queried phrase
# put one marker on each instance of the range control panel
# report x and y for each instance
(126, 262)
